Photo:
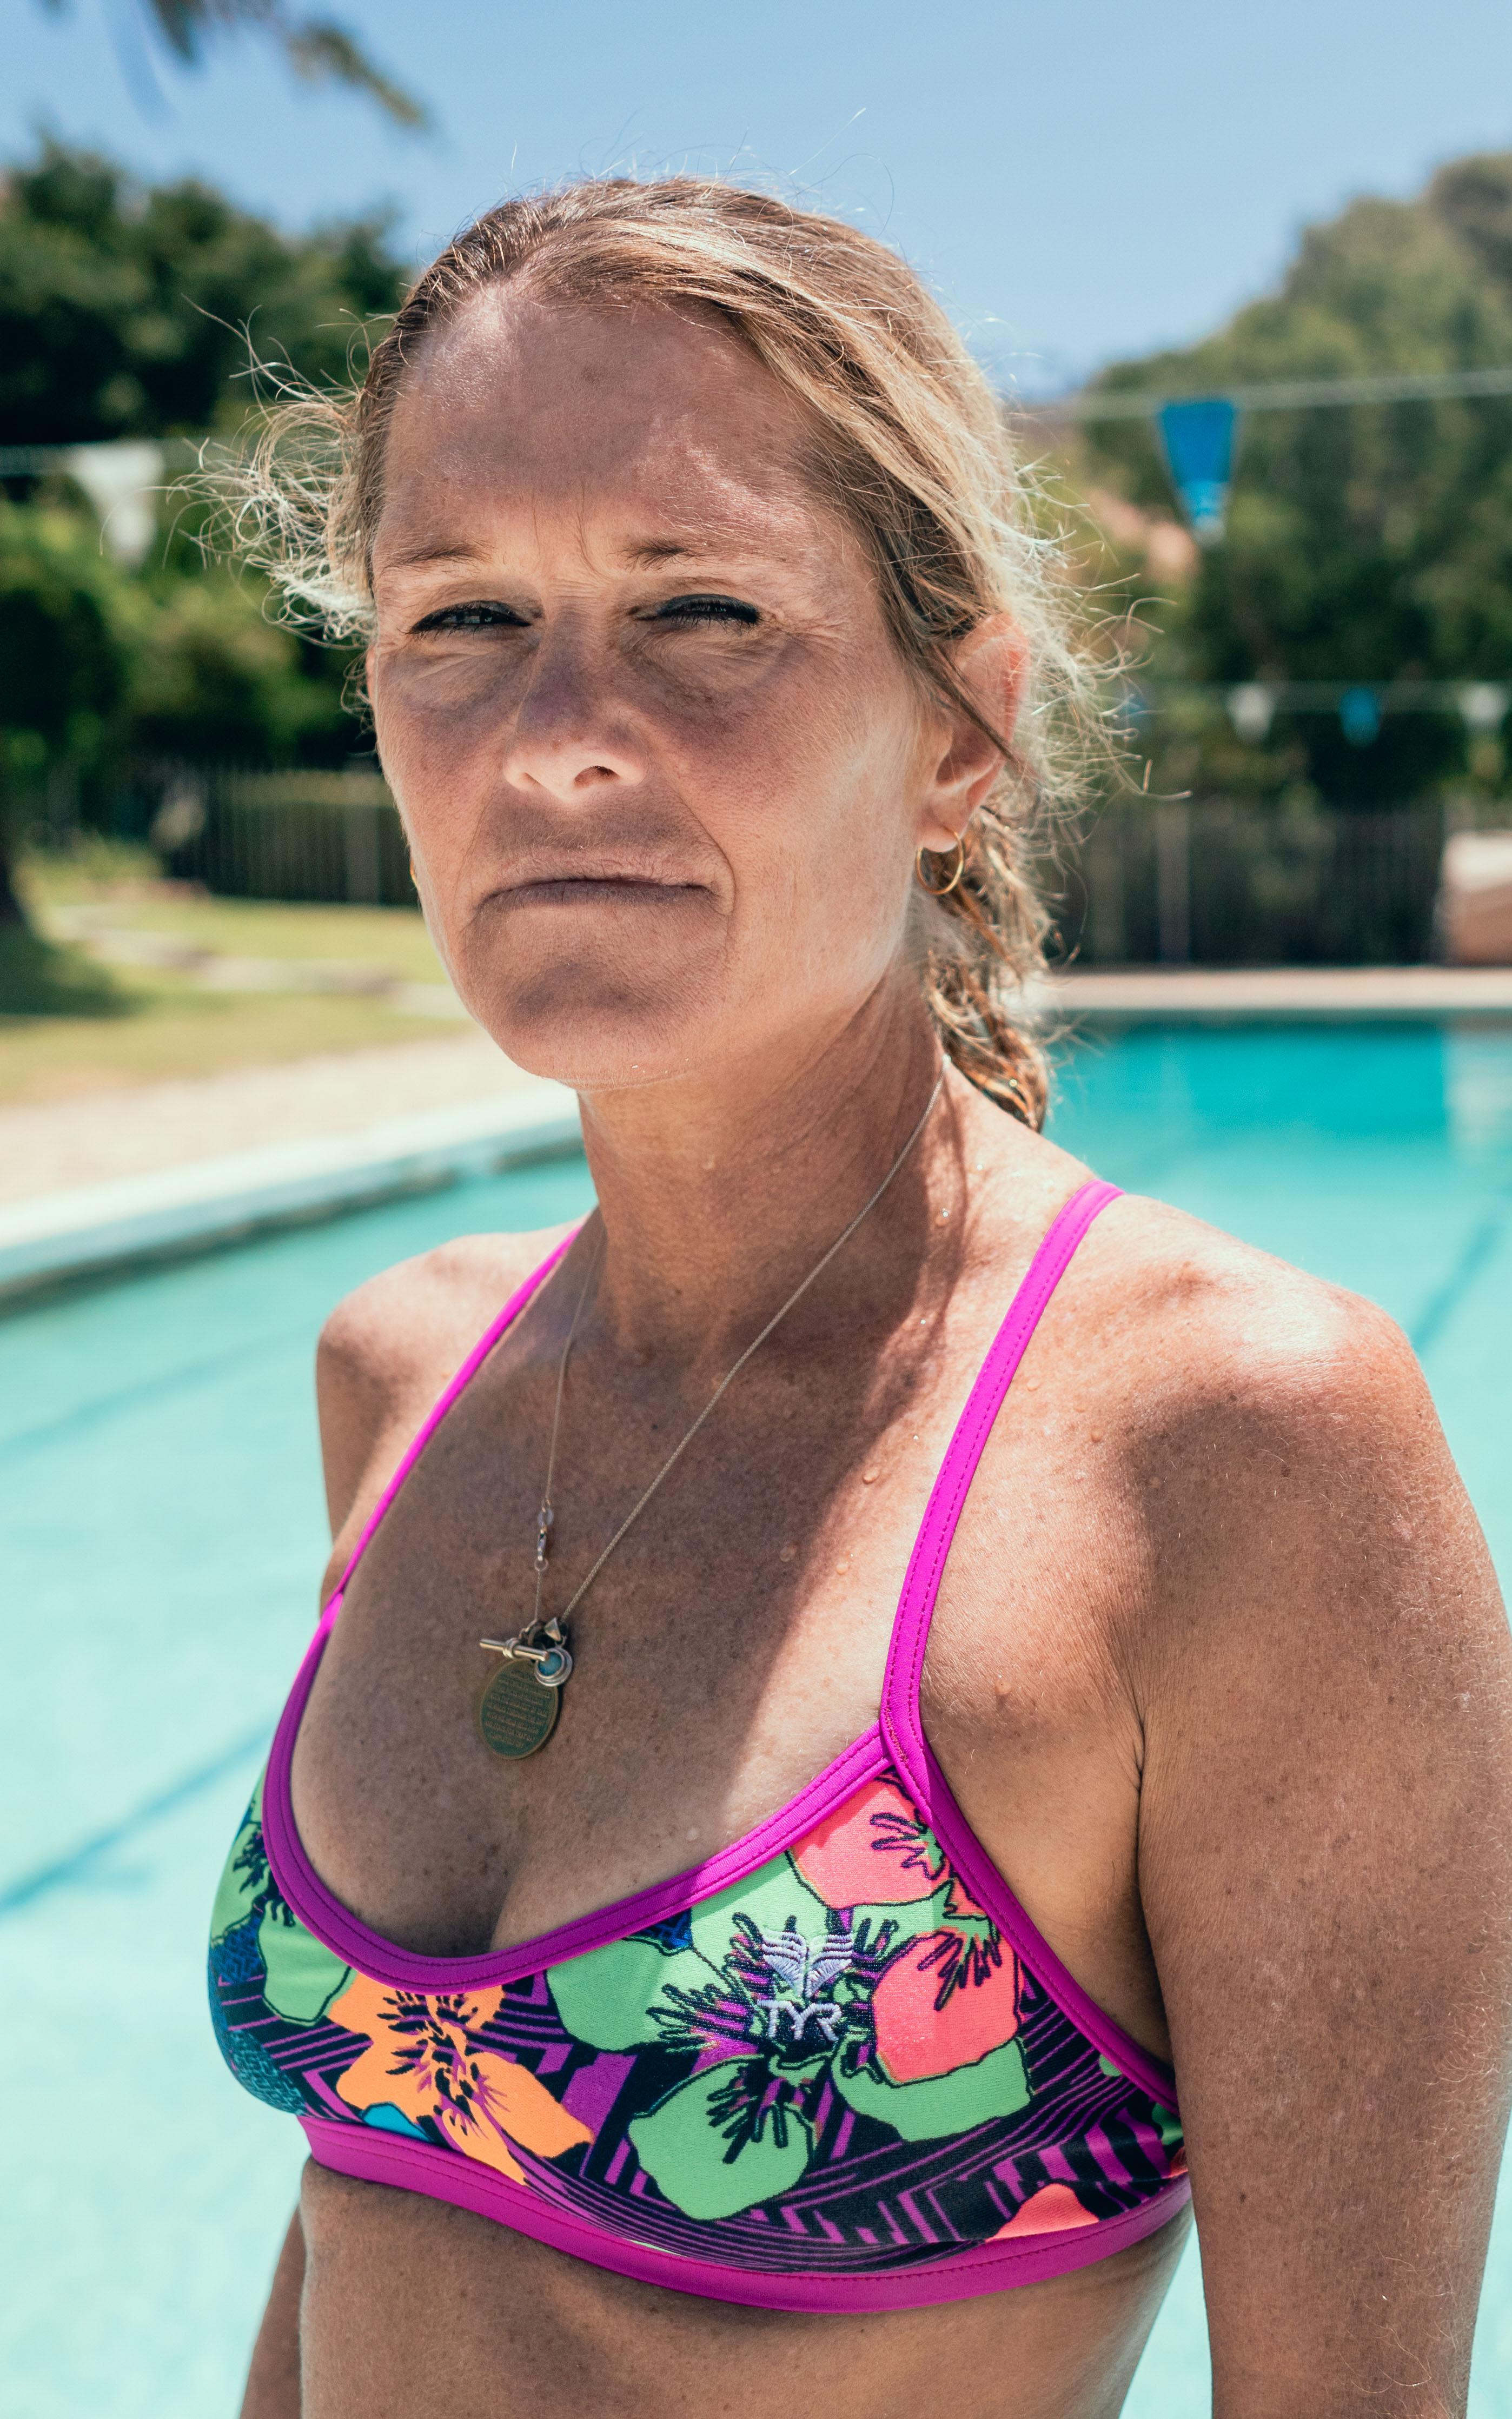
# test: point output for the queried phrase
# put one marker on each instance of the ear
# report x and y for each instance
(990, 663)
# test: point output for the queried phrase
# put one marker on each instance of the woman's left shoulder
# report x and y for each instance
(1201, 1324)
(1277, 1434)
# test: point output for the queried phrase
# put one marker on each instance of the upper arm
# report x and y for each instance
(388, 1350)
(1326, 1864)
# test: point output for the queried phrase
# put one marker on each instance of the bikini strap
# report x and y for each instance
(459, 1386)
(925, 1567)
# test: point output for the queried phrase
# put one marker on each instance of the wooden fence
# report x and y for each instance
(309, 835)
(1205, 883)
(1214, 884)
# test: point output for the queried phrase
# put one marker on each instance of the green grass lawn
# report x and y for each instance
(147, 1023)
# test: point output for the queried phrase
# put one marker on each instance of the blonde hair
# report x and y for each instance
(911, 446)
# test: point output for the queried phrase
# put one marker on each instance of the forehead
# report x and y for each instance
(525, 409)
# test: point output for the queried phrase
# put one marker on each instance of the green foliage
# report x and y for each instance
(100, 666)
(210, 678)
(128, 310)
(61, 667)
(38, 977)
(1364, 544)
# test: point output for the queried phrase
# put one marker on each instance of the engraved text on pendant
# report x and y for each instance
(515, 1713)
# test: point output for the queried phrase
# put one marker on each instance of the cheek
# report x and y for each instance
(438, 742)
(815, 817)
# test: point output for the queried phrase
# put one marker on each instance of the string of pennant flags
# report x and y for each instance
(123, 478)
(1252, 706)
(1198, 433)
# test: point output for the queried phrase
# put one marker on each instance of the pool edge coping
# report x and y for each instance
(97, 1230)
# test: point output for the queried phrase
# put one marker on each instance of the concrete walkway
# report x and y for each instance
(136, 1131)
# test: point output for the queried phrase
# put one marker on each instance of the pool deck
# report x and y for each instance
(93, 1184)
(1287, 994)
(96, 1185)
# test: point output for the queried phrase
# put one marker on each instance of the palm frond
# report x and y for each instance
(320, 48)
(316, 48)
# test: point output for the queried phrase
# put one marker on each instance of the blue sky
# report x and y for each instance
(1081, 178)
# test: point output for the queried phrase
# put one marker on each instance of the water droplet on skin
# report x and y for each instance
(868, 1477)
(1097, 1436)
(708, 1167)
(788, 1554)
(1031, 1385)
(842, 1565)
(944, 1218)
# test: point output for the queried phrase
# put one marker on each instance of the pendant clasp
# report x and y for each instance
(553, 1662)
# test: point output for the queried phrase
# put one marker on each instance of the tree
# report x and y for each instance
(1363, 544)
(128, 310)
(132, 311)
(316, 48)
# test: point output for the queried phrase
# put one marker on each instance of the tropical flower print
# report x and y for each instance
(1053, 2210)
(302, 1976)
(854, 1966)
(834, 2066)
(873, 1851)
(425, 2060)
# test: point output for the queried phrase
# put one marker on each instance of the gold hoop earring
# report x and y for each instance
(942, 889)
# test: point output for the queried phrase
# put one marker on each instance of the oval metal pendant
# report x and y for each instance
(515, 1713)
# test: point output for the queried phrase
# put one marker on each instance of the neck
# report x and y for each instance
(718, 1192)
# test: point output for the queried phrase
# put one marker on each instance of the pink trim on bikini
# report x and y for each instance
(897, 1737)
(407, 1969)
(360, 2150)
(902, 1724)
(439, 1409)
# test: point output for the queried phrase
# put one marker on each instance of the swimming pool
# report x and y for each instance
(161, 1540)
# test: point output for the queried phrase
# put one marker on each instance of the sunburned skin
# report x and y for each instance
(1218, 1674)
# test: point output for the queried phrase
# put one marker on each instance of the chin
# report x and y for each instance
(593, 1036)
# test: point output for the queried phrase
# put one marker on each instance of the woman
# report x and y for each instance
(672, 2032)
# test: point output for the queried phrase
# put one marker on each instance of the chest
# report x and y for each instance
(734, 1643)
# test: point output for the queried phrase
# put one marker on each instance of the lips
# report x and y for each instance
(584, 890)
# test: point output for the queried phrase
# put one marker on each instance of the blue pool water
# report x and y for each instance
(161, 1541)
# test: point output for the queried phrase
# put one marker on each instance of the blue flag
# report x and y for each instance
(1198, 437)
(1360, 717)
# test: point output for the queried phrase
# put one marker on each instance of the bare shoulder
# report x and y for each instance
(1280, 1440)
(390, 1348)
(1199, 1321)
(1321, 1680)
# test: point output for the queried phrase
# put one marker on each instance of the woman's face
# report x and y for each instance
(661, 767)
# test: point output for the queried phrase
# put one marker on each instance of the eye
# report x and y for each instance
(478, 616)
(706, 608)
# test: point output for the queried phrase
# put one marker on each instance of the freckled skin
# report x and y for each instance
(1218, 1672)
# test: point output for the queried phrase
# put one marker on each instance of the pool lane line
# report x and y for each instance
(67, 1869)
(1476, 1251)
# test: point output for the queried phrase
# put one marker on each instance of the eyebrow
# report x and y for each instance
(639, 554)
(648, 554)
(417, 556)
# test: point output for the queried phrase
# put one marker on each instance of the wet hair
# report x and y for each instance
(911, 446)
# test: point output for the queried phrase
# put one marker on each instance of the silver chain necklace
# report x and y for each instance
(517, 1711)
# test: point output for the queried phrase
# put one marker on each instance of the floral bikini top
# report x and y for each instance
(835, 2068)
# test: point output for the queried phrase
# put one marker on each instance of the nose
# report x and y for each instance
(571, 734)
